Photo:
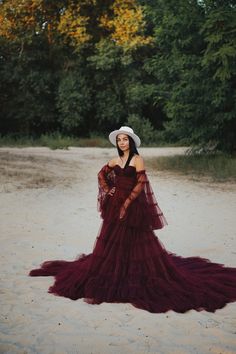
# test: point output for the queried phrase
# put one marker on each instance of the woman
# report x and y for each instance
(128, 262)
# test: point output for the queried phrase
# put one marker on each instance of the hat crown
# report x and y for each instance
(127, 129)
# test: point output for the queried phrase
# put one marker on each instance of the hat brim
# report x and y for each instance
(113, 135)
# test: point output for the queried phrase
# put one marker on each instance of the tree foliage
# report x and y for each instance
(82, 66)
(194, 68)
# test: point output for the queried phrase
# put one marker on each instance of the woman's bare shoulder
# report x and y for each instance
(112, 162)
(139, 163)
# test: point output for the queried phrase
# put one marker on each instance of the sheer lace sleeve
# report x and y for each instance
(105, 183)
(141, 180)
(144, 190)
(103, 178)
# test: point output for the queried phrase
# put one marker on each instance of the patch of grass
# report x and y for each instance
(94, 142)
(216, 167)
(17, 141)
(57, 140)
(53, 141)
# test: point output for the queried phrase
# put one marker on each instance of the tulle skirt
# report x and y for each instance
(129, 264)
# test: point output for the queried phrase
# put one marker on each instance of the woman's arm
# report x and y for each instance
(105, 185)
(103, 181)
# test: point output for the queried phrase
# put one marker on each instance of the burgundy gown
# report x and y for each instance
(128, 262)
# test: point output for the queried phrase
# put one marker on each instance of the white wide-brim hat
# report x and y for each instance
(124, 130)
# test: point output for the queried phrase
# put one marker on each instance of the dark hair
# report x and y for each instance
(132, 150)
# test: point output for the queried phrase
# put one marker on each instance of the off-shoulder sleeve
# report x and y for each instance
(105, 183)
(144, 190)
(140, 185)
(103, 178)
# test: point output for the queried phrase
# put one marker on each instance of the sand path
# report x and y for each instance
(48, 211)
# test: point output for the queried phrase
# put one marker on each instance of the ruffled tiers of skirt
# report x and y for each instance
(131, 265)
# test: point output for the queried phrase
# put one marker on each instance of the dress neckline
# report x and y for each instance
(122, 168)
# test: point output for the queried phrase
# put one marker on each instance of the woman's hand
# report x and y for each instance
(123, 209)
(112, 191)
(122, 212)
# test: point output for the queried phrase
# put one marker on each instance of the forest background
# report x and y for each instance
(83, 68)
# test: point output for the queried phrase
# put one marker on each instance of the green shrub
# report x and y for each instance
(142, 127)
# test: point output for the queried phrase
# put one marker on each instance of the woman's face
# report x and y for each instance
(123, 142)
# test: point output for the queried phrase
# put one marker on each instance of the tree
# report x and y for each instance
(72, 67)
(194, 71)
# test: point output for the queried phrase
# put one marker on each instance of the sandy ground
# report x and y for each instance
(48, 211)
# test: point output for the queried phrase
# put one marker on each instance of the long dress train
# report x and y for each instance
(129, 263)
